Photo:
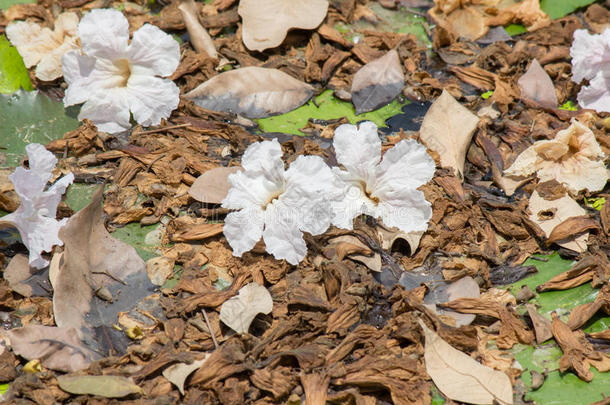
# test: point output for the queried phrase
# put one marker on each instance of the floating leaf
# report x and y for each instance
(13, 74)
(107, 386)
(212, 186)
(239, 312)
(560, 8)
(460, 377)
(254, 92)
(377, 83)
(447, 129)
(266, 22)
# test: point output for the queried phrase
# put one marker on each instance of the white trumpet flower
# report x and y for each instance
(278, 204)
(386, 189)
(35, 217)
(591, 61)
(112, 77)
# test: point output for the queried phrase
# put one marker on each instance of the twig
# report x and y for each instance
(207, 321)
(153, 131)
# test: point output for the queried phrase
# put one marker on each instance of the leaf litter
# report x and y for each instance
(341, 327)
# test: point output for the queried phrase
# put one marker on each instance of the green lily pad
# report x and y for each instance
(326, 107)
(30, 117)
(142, 238)
(5, 4)
(78, 195)
(560, 8)
(399, 20)
(13, 73)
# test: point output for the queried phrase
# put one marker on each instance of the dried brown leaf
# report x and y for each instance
(212, 186)
(377, 83)
(239, 312)
(536, 85)
(107, 386)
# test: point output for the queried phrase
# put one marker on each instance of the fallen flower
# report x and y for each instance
(386, 189)
(279, 205)
(44, 47)
(35, 217)
(113, 77)
(573, 158)
(590, 57)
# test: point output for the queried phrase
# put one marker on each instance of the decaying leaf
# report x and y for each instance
(377, 83)
(460, 377)
(212, 186)
(26, 280)
(447, 129)
(353, 248)
(573, 158)
(198, 35)
(58, 348)
(466, 287)
(239, 311)
(590, 267)
(526, 12)
(266, 22)
(159, 269)
(107, 386)
(536, 85)
(542, 326)
(549, 214)
(93, 260)
(582, 313)
(254, 92)
(178, 373)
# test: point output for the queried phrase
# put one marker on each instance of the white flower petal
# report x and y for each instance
(524, 165)
(109, 111)
(596, 95)
(50, 68)
(250, 188)
(104, 34)
(406, 165)
(67, 24)
(406, 210)
(259, 155)
(152, 48)
(152, 98)
(243, 229)
(354, 204)
(358, 149)
(31, 40)
(282, 237)
(86, 76)
(590, 54)
(311, 188)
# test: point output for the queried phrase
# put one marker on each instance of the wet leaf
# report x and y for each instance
(377, 83)
(536, 85)
(447, 129)
(178, 373)
(58, 348)
(212, 186)
(239, 312)
(266, 22)
(13, 74)
(460, 377)
(107, 386)
(560, 8)
(254, 92)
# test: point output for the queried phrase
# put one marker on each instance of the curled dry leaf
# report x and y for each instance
(460, 377)
(254, 92)
(573, 158)
(549, 214)
(199, 37)
(542, 326)
(266, 22)
(178, 373)
(212, 186)
(447, 129)
(572, 226)
(390, 235)
(377, 83)
(536, 85)
(57, 348)
(107, 386)
(466, 287)
(353, 248)
(239, 312)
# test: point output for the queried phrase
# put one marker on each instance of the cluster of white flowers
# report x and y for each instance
(591, 61)
(280, 205)
(35, 217)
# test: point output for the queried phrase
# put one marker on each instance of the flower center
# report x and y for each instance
(123, 70)
(368, 193)
(272, 198)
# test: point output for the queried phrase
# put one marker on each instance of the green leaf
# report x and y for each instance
(487, 94)
(5, 4)
(560, 8)
(326, 107)
(29, 117)
(13, 74)
(145, 239)
(515, 29)
(596, 203)
(107, 386)
(569, 106)
(3, 388)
